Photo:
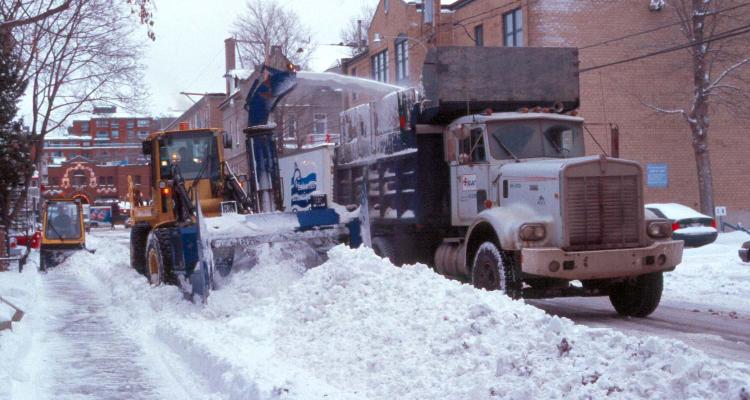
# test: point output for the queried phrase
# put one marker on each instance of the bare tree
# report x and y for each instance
(718, 61)
(75, 59)
(17, 13)
(265, 24)
(354, 34)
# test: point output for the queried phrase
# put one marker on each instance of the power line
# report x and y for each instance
(628, 36)
(724, 35)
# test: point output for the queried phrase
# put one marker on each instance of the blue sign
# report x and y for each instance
(657, 175)
(302, 188)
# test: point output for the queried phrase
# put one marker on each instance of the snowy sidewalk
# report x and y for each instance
(84, 355)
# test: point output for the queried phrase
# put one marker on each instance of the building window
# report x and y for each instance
(110, 181)
(131, 135)
(354, 73)
(137, 179)
(57, 154)
(115, 134)
(513, 28)
(479, 35)
(130, 124)
(102, 135)
(385, 6)
(320, 123)
(102, 123)
(54, 180)
(380, 66)
(84, 126)
(291, 127)
(143, 123)
(402, 59)
(102, 180)
(142, 134)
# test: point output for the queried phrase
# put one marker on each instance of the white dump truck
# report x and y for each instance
(484, 176)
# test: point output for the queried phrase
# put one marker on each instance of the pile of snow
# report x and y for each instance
(21, 290)
(358, 327)
(712, 275)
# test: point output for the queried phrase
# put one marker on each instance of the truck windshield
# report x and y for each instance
(195, 155)
(63, 221)
(535, 139)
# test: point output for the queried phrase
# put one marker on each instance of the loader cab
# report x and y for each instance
(477, 146)
(195, 155)
(63, 231)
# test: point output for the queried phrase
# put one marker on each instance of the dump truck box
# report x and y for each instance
(464, 80)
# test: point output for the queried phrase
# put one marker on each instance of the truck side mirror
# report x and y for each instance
(147, 147)
(227, 140)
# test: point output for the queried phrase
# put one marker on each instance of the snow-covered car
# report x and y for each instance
(688, 225)
(745, 251)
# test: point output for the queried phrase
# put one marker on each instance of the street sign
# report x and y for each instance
(720, 211)
(657, 175)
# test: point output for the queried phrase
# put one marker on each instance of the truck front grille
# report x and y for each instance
(603, 212)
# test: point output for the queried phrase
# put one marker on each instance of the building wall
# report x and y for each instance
(204, 113)
(105, 145)
(101, 184)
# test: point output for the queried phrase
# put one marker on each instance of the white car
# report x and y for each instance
(688, 225)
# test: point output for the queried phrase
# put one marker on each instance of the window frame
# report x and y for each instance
(401, 50)
(479, 35)
(317, 120)
(379, 64)
(513, 37)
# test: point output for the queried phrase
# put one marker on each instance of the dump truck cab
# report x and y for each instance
(521, 181)
(63, 231)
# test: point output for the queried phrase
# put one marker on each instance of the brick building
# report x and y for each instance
(616, 96)
(94, 159)
(204, 113)
(307, 116)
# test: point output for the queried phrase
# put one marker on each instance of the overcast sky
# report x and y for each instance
(188, 54)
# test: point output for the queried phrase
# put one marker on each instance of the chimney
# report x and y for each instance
(230, 46)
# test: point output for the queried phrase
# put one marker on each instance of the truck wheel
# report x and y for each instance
(492, 271)
(637, 298)
(383, 247)
(138, 239)
(158, 257)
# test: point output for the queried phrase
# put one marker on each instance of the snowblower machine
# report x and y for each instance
(62, 232)
(202, 220)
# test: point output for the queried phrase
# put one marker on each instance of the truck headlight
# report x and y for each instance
(659, 229)
(532, 232)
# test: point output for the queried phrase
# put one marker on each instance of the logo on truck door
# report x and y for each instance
(468, 182)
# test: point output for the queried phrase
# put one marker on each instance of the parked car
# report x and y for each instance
(745, 251)
(688, 225)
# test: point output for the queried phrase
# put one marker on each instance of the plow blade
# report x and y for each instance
(309, 248)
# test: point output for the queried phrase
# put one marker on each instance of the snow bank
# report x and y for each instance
(357, 327)
(21, 290)
(712, 275)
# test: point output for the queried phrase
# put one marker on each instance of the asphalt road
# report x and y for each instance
(720, 333)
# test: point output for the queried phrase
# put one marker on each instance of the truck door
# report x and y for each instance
(469, 174)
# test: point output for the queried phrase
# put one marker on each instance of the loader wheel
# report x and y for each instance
(492, 270)
(138, 240)
(159, 258)
(639, 297)
(383, 247)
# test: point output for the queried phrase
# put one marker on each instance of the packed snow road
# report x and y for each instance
(354, 328)
(706, 303)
